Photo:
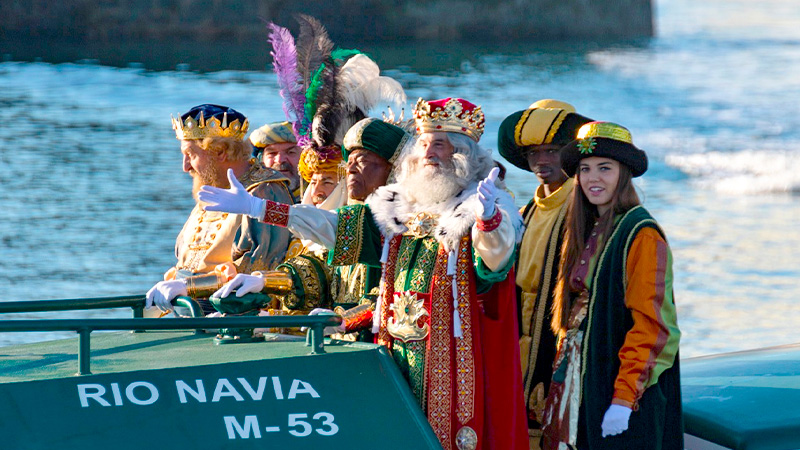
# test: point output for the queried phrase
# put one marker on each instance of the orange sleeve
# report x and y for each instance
(651, 345)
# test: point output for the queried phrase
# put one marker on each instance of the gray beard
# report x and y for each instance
(427, 188)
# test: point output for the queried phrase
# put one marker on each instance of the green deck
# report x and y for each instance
(177, 390)
(745, 400)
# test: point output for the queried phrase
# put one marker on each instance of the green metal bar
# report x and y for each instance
(169, 324)
(84, 352)
(130, 301)
(189, 302)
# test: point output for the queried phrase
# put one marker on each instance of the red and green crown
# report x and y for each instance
(453, 115)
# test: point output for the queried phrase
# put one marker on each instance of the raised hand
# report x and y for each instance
(615, 421)
(163, 292)
(242, 284)
(235, 200)
(487, 195)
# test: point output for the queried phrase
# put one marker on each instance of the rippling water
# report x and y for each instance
(92, 194)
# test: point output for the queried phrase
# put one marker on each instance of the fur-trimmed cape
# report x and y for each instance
(391, 209)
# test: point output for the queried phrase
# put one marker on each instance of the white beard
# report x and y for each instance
(431, 185)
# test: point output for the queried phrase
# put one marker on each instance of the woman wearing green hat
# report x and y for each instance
(616, 377)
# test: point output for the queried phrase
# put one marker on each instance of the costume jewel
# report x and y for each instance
(408, 309)
(421, 225)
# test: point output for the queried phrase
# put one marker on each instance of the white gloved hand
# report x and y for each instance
(615, 421)
(235, 200)
(163, 292)
(242, 284)
(487, 195)
(328, 330)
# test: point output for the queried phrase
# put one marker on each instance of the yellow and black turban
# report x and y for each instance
(546, 122)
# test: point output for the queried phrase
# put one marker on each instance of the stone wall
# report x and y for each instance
(354, 21)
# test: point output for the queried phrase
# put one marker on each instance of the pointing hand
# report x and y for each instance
(235, 200)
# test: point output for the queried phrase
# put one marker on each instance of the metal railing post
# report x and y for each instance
(317, 339)
(84, 351)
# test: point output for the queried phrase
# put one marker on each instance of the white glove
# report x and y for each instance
(235, 200)
(487, 195)
(163, 292)
(615, 421)
(242, 284)
(328, 330)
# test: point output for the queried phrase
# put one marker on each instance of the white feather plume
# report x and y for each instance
(361, 85)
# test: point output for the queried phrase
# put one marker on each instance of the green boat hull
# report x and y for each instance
(178, 390)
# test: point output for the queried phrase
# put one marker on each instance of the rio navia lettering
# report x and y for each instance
(144, 393)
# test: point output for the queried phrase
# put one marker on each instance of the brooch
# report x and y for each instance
(421, 225)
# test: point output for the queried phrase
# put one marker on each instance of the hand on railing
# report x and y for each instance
(328, 330)
(163, 292)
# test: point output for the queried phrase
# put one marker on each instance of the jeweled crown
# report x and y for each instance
(449, 115)
(204, 121)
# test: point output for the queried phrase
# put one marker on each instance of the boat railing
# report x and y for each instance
(84, 327)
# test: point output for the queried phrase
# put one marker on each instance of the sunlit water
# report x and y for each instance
(92, 194)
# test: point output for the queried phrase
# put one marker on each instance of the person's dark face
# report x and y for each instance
(366, 172)
(545, 162)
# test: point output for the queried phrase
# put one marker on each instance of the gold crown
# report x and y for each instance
(191, 128)
(449, 115)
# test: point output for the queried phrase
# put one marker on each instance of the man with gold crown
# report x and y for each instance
(212, 247)
(275, 145)
(445, 234)
(531, 140)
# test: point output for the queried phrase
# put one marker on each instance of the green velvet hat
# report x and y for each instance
(382, 138)
(607, 140)
(545, 122)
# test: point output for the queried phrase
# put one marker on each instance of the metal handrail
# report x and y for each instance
(136, 302)
(84, 327)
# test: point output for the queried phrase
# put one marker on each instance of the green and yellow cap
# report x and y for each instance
(605, 139)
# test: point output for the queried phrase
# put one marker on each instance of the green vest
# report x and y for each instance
(658, 422)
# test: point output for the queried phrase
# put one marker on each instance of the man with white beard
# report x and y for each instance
(445, 235)
(213, 247)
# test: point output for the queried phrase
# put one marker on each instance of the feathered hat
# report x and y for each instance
(325, 91)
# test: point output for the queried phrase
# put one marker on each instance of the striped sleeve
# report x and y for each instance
(651, 345)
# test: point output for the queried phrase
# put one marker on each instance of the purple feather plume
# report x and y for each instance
(284, 55)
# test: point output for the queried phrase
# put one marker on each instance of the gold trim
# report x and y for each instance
(606, 130)
(353, 137)
(202, 286)
(551, 261)
(465, 356)
(277, 282)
